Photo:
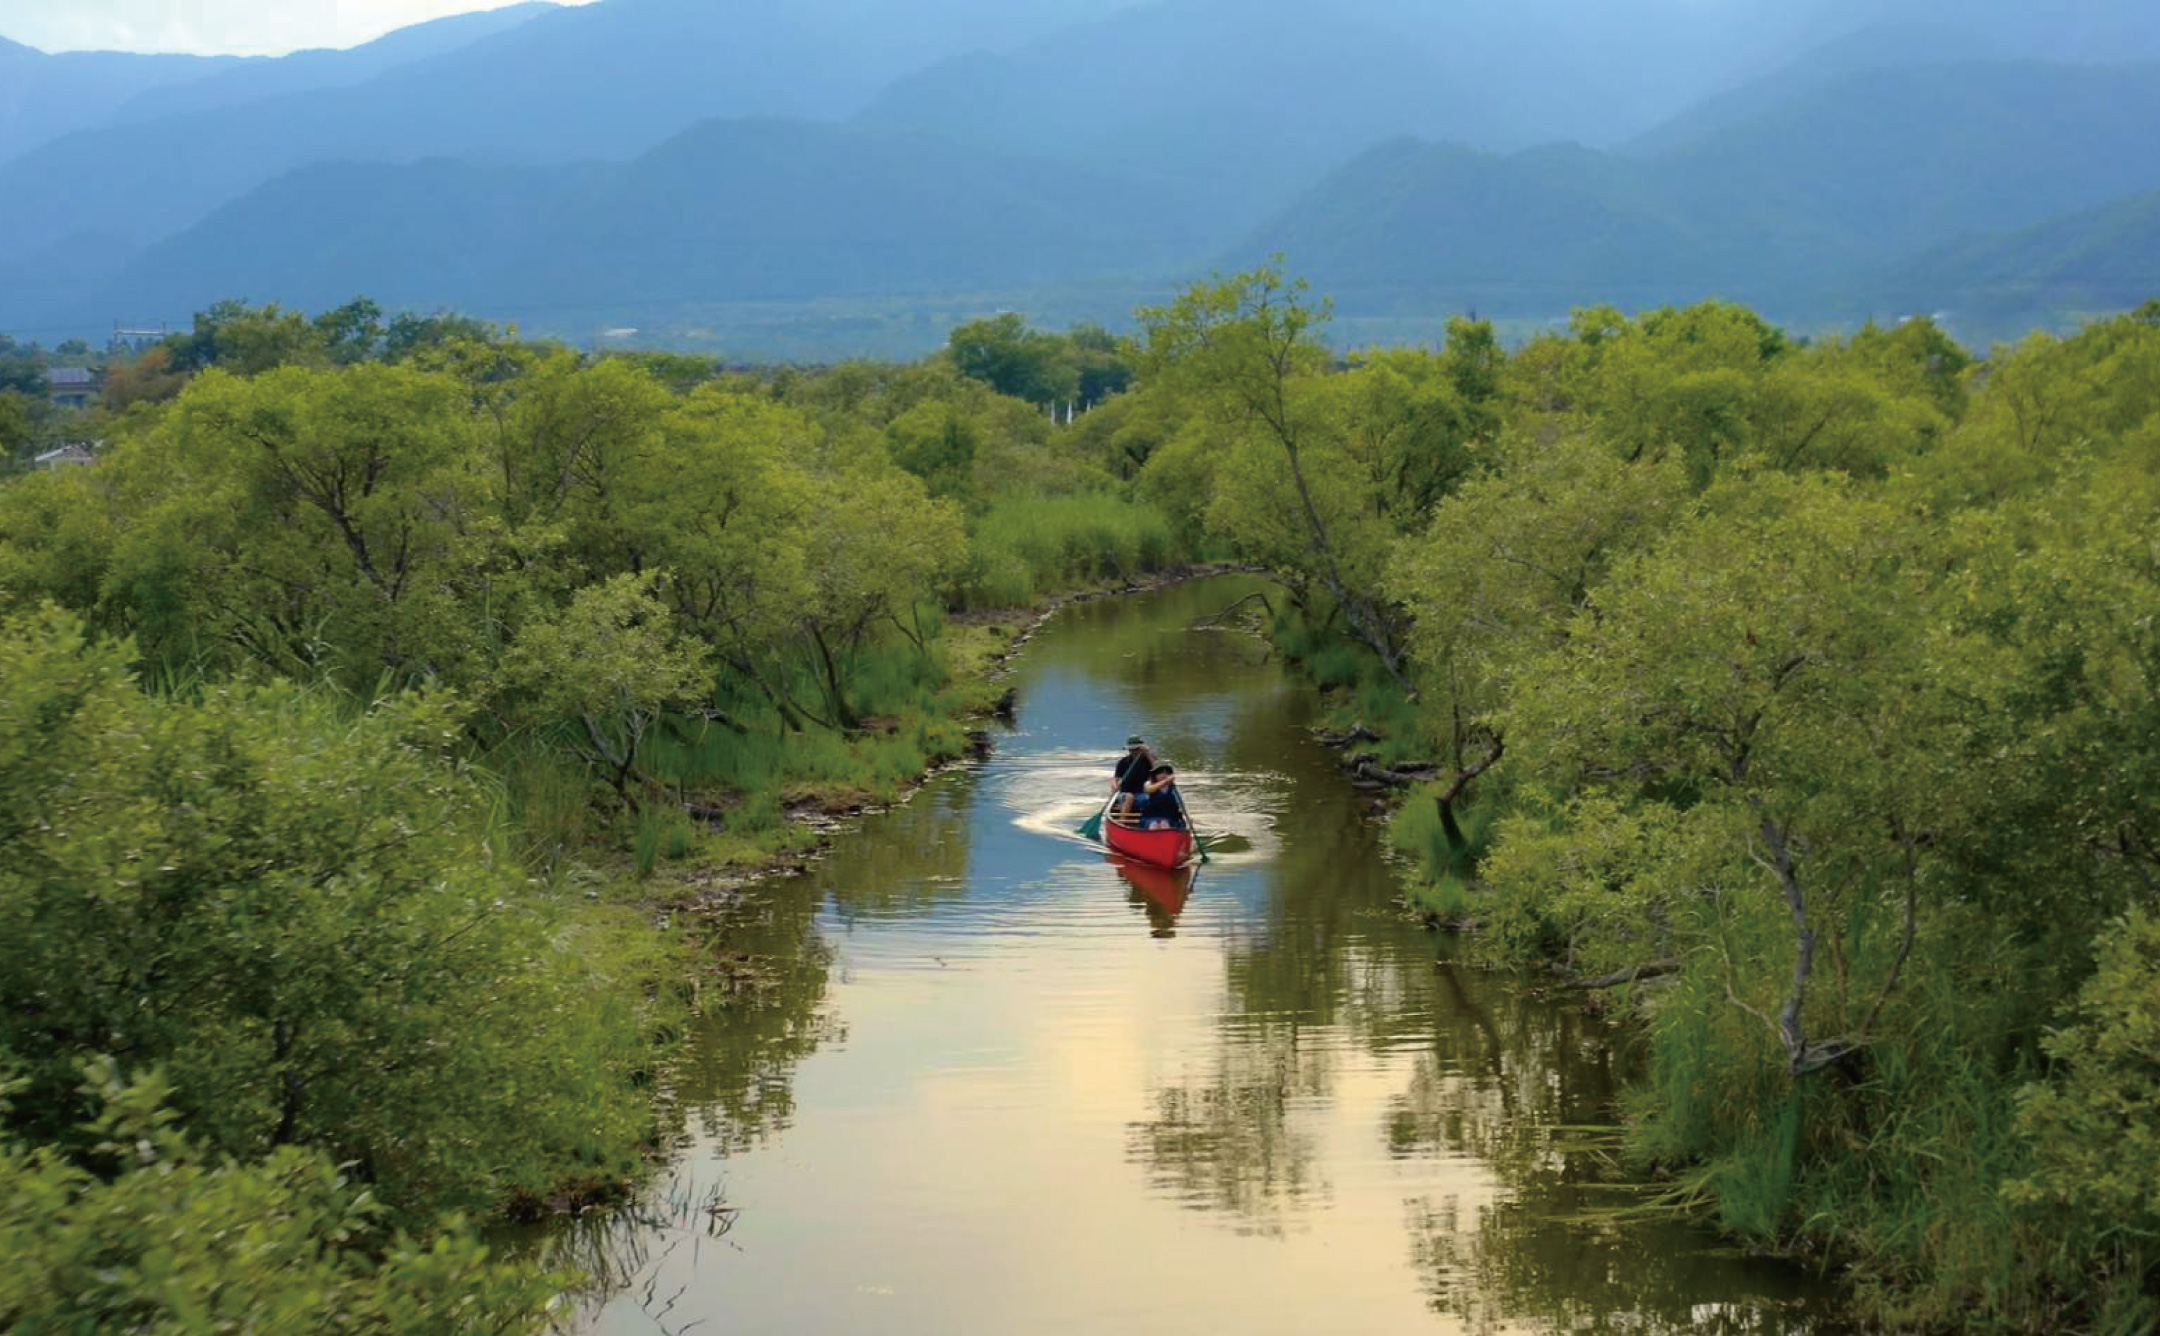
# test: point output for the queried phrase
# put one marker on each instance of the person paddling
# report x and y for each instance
(1161, 806)
(1131, 776)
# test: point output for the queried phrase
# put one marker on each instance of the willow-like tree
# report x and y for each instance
(1245, 350)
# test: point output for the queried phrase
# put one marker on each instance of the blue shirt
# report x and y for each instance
(1165, 804)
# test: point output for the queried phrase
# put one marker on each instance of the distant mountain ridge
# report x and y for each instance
(306, 71)
(728, 211)
(1873, 49)
(1897, 159)
(1791, 210)
(45, 96)
(1258, 97)
(603, 80)
(656, 155)
(2101, 259)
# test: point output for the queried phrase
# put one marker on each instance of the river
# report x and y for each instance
(983, 1080)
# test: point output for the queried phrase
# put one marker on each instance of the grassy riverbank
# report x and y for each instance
(753, 806)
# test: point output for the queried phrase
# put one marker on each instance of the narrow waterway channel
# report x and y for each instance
(991, 1083)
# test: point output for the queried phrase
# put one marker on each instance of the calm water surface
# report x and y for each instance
(993, 1082)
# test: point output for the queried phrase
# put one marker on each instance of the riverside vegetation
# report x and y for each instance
(344, 698)
(1803, 692)
(1810, 693)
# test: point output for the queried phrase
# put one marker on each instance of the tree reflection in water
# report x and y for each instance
(917, 861)
(1524, 1086)
(1491, 1073)
(1225, 1142)
(1288, 1070)
(1530, 1263)
(775, 966)
(628, 1252)
(770, 969)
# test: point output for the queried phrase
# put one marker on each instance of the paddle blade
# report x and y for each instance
(1200, 846)
(1091, 829)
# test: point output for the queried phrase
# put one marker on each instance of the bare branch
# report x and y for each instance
(1633, 974)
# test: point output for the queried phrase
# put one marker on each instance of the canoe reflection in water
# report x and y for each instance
(1161, 891)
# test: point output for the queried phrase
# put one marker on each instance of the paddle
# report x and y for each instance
(1091, 829)
(1199, 841)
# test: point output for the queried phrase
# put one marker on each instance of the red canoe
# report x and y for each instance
(1156, 848)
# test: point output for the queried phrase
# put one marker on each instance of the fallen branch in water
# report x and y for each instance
(1219, 618)
(1632, 974)
(1366, 766)
(1358, 733)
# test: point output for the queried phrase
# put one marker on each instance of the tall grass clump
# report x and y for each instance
(549, 805)
(1026, 546)
(663, 833)
(1357, 688)
(1441, 873)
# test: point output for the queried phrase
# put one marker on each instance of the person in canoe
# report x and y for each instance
(1131, 776)
(1161, 807)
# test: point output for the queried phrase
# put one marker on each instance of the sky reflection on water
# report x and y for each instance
(1005, 1088)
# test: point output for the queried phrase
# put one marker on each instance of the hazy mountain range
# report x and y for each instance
(639, 159)
(1805, 209)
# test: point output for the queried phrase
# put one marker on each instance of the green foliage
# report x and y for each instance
(611, 661)
(303, 917)
(1085, 365)
(1418, 833)
(1311, 472)
(176, 1239)
(1820, 678)
(249, 340)
(18, 427)
(1029, 546)
(661, 835)
(1806, 684)
(566, 542)
(1003, 353)
(2097, 1125)
(937, 443)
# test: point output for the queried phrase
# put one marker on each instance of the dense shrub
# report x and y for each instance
(299, 911)
(175, 1240)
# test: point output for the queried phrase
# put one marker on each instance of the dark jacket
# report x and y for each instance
(1132, 771)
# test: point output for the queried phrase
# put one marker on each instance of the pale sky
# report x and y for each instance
(206, 27)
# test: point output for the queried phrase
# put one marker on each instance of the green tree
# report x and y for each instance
(2096, 1126)
(882, 546)
(1246, 348)
(175, 1239)
(1819, 410)
(1498, 578)
(1408, 431)
(408, 335)
(1767, 659)
(299, 912)
(1003, 353)
(725, 511)
(17, 429)
(612, 661)
(312, 520)
(1100, 363)
(353, 332)
(247, 340)
(937, 442)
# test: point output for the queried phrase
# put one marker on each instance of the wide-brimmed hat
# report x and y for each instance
(1136, 741)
